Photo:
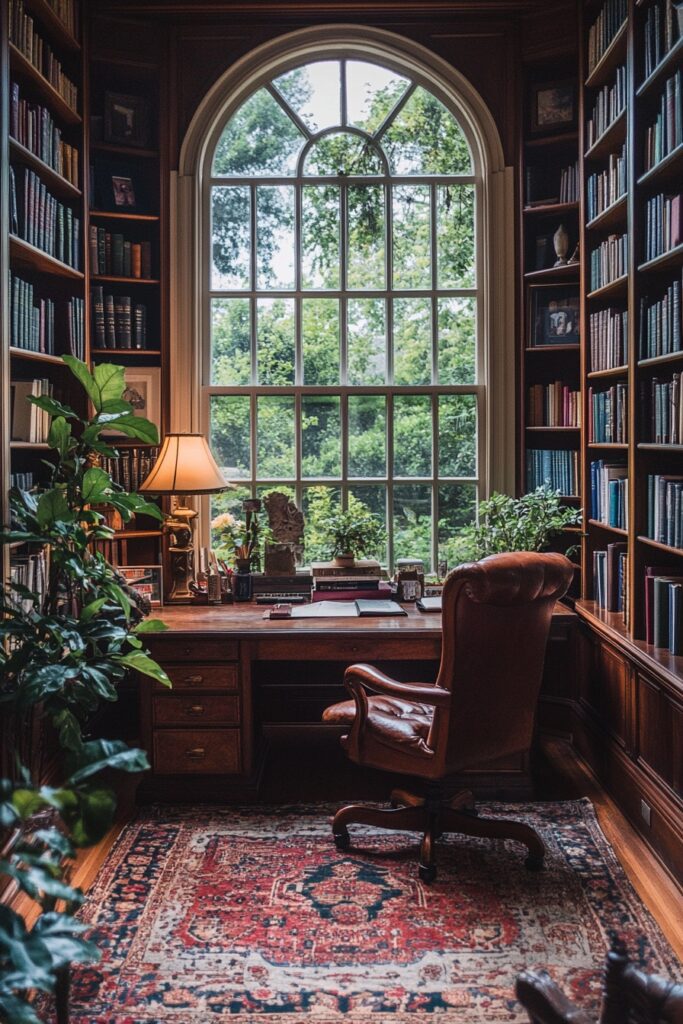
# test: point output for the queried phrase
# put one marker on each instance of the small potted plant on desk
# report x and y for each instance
(354, 532)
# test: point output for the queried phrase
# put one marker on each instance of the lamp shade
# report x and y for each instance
(185, 466)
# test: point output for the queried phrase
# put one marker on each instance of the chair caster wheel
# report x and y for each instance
(533, 863)
(342, 840)
(427, 874)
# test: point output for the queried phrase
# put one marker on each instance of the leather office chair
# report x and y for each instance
(496, 617)
(628, 995)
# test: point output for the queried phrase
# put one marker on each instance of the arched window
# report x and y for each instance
(342, 301)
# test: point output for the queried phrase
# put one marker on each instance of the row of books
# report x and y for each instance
(603, 30)
(131, 467)
(36, 321)
(30, 571)
(609, 261)
(660, 32)
(67, 11)
(118, 322)
(604, 187)
(41, 220)
(610, 578)
(542, 185)
(28, 423)
(23, 480)
(663, 225)
(34, 127)
(607, 415)
(665, 509)
(333, 582)
(111, 253)
(559, 469)
(24, 35)
(666, 133)
(609, 493)
(570, 180)
(610, 101)
(659, 330)
(608, 338)
(662, 410)
(554, 405)
(664, 607)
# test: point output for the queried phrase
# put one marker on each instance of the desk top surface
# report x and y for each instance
(247, 621)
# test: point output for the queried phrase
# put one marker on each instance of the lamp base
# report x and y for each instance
(179, 531)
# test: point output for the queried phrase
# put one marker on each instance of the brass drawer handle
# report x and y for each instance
(196, 709)
(194, 680)
(196, 754)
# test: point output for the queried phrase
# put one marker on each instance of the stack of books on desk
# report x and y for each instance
(361, 581)
(281, 587)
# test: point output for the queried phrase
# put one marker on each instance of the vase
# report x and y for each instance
(561, 245)
(348, 561)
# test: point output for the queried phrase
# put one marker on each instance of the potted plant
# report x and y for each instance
(66, 647)
(354, 532)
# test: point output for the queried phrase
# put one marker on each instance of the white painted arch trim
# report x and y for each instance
(496, 255)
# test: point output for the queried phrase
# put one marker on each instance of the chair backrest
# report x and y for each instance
(496, 617)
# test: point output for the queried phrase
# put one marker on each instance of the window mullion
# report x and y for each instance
(389, 498)
(435, 483)
(388, 263)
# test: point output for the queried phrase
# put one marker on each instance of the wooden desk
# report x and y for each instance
(237, 676)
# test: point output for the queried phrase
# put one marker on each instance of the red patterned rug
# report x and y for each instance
(221, 914)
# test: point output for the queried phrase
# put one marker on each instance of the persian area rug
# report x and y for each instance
(209, 915)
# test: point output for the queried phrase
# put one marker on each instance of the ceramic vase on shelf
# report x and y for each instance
(561, 245)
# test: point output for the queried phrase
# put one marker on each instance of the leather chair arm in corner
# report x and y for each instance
(546, 1003)
(366, 677)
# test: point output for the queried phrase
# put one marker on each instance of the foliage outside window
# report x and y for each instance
(341, 311)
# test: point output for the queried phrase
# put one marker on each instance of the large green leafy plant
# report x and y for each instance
(64, 651)
(355, 531)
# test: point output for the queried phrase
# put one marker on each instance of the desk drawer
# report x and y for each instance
(202, 710)
(174, 648)
(197, 751)
(201, 677)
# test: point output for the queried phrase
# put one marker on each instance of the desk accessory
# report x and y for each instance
(185, 467)
(429, 604)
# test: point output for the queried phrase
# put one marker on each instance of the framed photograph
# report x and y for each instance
(126, 120)
(146, 579)
(553, 106)
(143, 392)
(122, 191)
(553, 315)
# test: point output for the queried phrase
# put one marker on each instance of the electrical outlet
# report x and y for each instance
(645, 813)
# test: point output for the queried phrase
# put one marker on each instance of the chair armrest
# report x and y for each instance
(546, 1003)
(367, 677)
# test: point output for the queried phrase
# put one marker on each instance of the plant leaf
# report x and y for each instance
(53, 507)
(97, 486)
(110, 383)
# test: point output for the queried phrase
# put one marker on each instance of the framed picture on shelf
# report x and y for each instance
(126, 120)
(143, 386)
(553, 315)
(123, 191)
(147, 580)
(553, 106)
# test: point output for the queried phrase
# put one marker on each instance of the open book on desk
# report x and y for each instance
(347, 609)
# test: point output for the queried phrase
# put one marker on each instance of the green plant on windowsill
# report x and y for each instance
(354, 532)
(528, 523)
(63, 652)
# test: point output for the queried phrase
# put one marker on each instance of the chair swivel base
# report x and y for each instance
(433, 816)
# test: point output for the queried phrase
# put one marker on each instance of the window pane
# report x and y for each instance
(230, 237)
(260, 139)
(367, 435)
(458, 435)
(412, 341)
(413, 522)
(457, 341)
(275, 437)
(412, 435)
(320, 340)
(412, 249)
(425, 138)
(371, 92)
(275, 341)
(275, 236)
(318, 505)
(457, 508)
(313, 92)
(367, 341)
(230, 434)
(320, 236)
(455, 236)
(320, 436)
(375, 497)
(365, 267)
(230, 341)
(342, 153)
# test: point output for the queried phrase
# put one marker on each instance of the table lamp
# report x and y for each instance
(185, 466)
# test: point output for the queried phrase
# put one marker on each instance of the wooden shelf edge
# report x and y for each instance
(612, 288)
(131, 151)
(551, 208)
(39, 260)
(24, 66)
(566, 270)
(54, 24)
(609, 59)
(669, 357)
(669, 548)
(124, 280)
(610, 214)
(668, 60)
(605, 526)
(666, 259)
(653, 446)
(39, 357)
(667, 163)
(605, 141)
(613, 371)
(118, 215)
(58, 184)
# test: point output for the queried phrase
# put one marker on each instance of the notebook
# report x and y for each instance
(429, 604)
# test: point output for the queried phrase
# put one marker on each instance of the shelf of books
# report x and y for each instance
(43, 121)
(633, 354)
(124, 238)
(550, 397)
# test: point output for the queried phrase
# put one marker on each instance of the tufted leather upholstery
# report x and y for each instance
(496, 619)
